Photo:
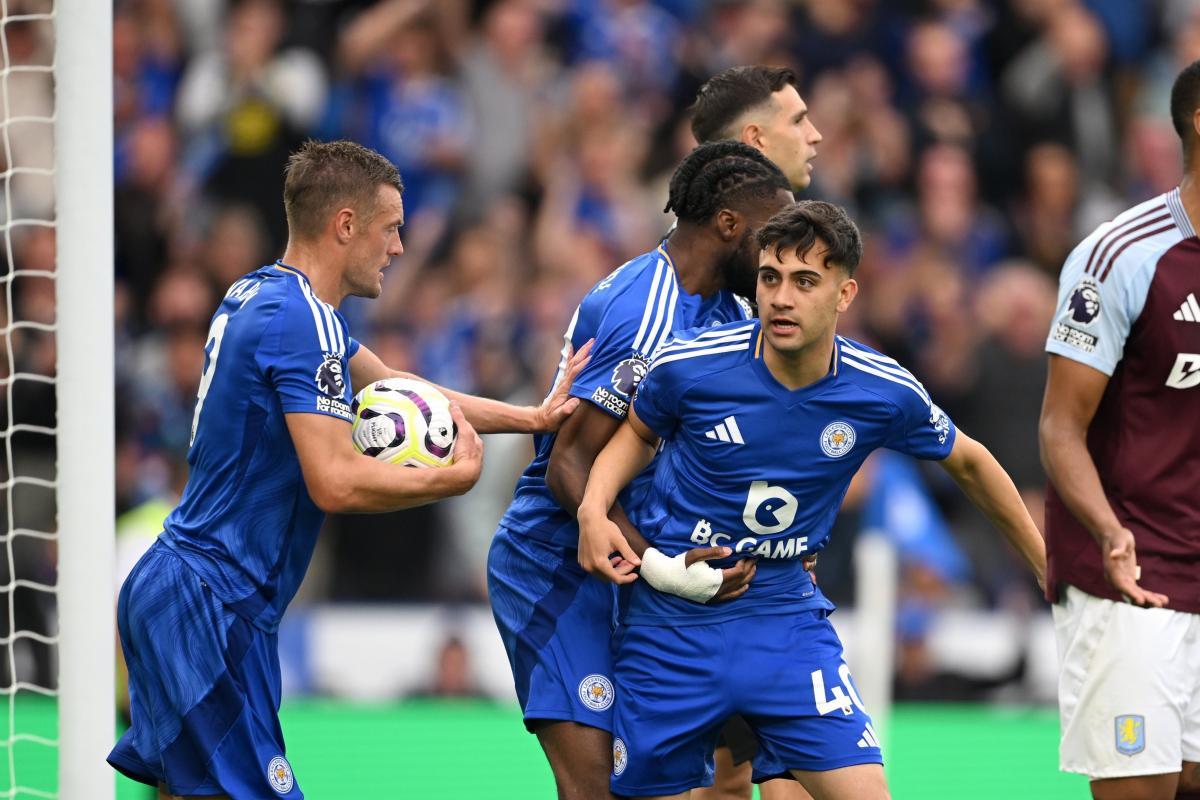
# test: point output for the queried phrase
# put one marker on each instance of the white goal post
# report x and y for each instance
(877, 574)
(84, 228)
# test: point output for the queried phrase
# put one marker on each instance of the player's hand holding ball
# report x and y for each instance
(468, 450)
(411, 423)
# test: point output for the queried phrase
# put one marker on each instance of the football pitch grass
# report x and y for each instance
(429, 750)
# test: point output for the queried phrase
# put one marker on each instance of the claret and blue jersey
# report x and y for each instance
(629, 314)
(1127, 307)
(246, 523)
(749, 464)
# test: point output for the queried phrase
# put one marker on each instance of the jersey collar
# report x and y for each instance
(792, 396)
(1179, 214)
(289, 268)
(662, 251)
(662, 248)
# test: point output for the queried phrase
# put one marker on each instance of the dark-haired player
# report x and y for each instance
(808, 407)
(1120, 439)
(555, 619)
(762, 107)
(270, 454)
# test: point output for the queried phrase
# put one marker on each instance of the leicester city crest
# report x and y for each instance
(1131, 734)
(837, 439)
(620, 756)
(330, 378)
(596, 692)
(279, 775)
(1084, 304)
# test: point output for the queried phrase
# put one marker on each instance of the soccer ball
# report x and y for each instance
(406, 422)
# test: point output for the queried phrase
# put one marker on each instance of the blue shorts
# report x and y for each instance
(784, 673)
(204, 689)
(557, 623)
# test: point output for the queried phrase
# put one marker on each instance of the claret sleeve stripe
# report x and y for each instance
(1152, 216)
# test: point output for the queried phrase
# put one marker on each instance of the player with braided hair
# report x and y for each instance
(555, 618)
(701, 183)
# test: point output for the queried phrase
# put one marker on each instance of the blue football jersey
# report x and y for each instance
(749, 464)
(629, 314)
(246, 523)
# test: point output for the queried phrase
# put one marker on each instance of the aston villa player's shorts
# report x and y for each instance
(1128, 687)
(784, 673)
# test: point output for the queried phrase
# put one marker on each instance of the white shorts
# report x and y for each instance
(1128, 688)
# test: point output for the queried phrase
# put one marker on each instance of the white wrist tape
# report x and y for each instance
(699, 582)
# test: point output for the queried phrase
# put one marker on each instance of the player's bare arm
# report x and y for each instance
(486, 415)
(989, 487)
(575, 449)
(627, 453)
(1073, 392)
(578, 443)
(340, 479)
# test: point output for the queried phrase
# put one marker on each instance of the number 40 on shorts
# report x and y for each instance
(841, 697)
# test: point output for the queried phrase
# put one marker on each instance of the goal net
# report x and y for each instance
(56, 574)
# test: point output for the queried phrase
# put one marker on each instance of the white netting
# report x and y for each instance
(27, 376)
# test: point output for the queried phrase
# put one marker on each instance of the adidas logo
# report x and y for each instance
(869, 738)
(727, 431)
(1189, 311)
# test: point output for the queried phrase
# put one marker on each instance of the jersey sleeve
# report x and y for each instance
(923, 429)
(1094, 317)
(304, 356)
(657, 399)
(616, 367)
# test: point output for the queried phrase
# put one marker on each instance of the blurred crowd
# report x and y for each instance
(974, 141)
